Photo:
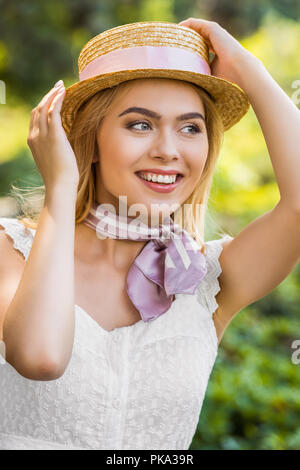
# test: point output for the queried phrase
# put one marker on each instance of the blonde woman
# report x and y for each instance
(110, 340)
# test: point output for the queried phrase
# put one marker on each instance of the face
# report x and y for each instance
(167, 132)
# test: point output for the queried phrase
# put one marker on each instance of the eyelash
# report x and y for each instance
(194, 126)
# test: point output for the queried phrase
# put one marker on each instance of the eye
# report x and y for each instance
(132, 124)
(195, 128)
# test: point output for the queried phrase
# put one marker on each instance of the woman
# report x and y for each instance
(130, 369)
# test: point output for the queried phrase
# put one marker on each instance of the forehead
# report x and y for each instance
(157, 93)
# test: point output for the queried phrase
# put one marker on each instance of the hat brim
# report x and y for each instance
(230, 100)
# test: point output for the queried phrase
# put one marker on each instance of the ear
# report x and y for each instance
(96, 156)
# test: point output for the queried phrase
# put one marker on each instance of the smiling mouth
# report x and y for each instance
(160, 187)
(179, 176)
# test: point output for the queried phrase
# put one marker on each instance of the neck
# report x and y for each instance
(118, 253)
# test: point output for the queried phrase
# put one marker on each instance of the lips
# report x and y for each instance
(161, 187)
(160, 171)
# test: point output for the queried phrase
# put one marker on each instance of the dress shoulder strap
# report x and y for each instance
(21, 235)
(209, 286)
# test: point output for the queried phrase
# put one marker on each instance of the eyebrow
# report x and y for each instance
(153, 114)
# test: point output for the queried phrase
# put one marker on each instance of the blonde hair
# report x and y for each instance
(82, 138)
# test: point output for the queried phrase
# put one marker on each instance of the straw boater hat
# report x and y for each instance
(148, 50)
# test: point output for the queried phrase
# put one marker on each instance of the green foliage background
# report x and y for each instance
(253, 397)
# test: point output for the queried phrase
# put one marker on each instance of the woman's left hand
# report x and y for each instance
(230, 55)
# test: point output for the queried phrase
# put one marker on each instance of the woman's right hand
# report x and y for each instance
(49, 144)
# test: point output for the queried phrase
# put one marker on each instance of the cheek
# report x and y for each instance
(198, 162)
(118, 156)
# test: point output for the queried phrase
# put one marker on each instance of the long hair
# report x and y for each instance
(82, 138)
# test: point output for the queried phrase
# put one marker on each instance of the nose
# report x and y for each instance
(164, 147)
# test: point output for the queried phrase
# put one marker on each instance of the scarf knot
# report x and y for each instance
(170, 263)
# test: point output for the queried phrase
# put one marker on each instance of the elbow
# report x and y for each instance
(34, 365)
(48, 370)
(44, 369)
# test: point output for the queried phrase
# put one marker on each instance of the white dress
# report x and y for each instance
(137, 387)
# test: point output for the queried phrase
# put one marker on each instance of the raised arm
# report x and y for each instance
(38, 328)
(264, 253)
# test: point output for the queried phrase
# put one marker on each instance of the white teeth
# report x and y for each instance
(167, 179)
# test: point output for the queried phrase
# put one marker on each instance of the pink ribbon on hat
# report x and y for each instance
(146, 57)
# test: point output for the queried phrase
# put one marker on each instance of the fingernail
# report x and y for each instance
(60, 82)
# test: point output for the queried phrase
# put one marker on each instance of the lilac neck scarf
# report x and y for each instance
(170, 263)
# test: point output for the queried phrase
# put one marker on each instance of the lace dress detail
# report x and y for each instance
(209, 287)
(136, 387)
(22, 236)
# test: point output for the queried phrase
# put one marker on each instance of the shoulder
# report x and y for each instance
(210, 286)
(213, 252)
(15, 239)
(215, 247)
(12, 262)
(209, 290)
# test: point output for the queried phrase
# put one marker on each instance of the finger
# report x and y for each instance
(43, 113)
(55, 108)
(203, 27)
(31, 120)
(35, 124)
(50, 92)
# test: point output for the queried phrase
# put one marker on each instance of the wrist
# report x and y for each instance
(60, 204)
(62, 189)
(247, 68)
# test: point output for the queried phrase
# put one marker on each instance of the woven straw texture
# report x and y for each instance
(230, 100)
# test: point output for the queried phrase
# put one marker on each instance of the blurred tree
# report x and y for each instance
(252, 400)
(242, 18)
(40, 41)
(244, 183)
